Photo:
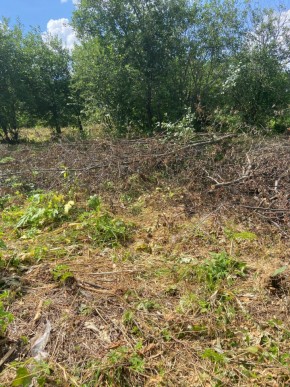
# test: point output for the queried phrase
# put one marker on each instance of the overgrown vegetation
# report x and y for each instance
(144, 66)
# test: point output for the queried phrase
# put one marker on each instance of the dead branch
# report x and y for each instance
(116, 159)
(245, 175)
(6, 357)
(266, 209)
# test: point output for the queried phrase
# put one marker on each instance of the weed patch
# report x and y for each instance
(45, 209)
(5, 317)
(218, 268)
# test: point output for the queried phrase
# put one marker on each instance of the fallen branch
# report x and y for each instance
(6, 357)
(266, 209)
(129, 160)
(246, 174)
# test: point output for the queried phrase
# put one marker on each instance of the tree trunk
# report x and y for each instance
(149, 107)
(6, 134)
(80, 125)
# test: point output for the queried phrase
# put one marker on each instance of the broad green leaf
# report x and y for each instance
(23, 377)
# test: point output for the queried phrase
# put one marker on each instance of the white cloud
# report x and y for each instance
(63, 30)
(75, 2)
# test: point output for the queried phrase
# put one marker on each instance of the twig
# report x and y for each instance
(7, 355)
(114, 272)
(93, 289)
(266, 209)
(246, 174)
(129, 160)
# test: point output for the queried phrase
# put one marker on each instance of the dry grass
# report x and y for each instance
(158, 309)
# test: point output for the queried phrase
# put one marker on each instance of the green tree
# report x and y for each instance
(216, 33)
(258, 85)
(13, 95)
(48, 80)
(142, 60)
(134, 46)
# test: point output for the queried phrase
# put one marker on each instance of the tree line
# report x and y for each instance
(142, 63)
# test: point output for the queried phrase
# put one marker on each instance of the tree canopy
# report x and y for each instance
(140, 63)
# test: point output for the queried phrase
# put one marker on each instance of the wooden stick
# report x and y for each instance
(7, 355)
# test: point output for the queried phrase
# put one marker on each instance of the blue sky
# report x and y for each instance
(50, 15)
(36, 12)
(54, 15)
(39, 12)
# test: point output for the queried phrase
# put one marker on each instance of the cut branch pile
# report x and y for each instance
(252, 174)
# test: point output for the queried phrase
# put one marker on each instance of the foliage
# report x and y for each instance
(35, 81)
(143, 66)
(240, 235)
(49, 81)
(130, 60)
(44, 209)
(120, 363)
(61, 273)
(214, 356)
(183, 130)
(5, 317)
(94, 203)
(220, 267)
(140, 75)
(258, 83)
(109, 231)
(31, 371)
(13, 97)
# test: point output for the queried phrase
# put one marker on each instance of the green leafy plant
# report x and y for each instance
(147, 305)
(31, 370)
(62, 273)
(120, 366)
(5, 317)
(238, 236)
(109, 231)
(94, 203)
(125, 356)
(214, 356)
(220, 267)
(182, 130)
(2, 244)
(7, 159)
(44, 209)
(4, 200)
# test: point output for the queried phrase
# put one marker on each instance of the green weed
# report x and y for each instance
(220, 267)
(61, 273)
(214, 356)
(237, 237)
(5, 317)
(29, 371)
(106, 230)
(94, 203)
(187, 303)
(7, 159)
(4, 201)
(148, 305)
(121, 366)
(44, 209)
